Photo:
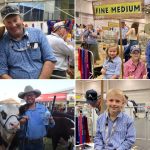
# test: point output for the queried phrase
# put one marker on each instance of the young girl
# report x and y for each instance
(112, 64)
(134, 68)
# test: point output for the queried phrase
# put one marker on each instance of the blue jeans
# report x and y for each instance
(127, 50)
(148, 71)
(31, 146)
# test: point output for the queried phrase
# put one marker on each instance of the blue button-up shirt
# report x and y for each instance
(124, 31)
(35, 127)
(123, 137)
(24, 59)
(112, 68)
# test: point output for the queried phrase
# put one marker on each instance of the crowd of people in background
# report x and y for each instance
(133, 66)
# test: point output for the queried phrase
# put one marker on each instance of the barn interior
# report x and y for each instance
(136, 90)
(107, 34)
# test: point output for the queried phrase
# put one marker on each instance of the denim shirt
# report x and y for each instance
(123, 137)
(35, 127)
(24, 59)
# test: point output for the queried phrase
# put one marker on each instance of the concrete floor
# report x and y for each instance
(142, 126)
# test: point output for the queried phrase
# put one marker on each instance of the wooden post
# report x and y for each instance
(121, 50)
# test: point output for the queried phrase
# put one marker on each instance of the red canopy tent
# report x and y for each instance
(50, 97)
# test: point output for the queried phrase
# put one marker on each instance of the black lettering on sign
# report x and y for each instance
(121, 9)
(118, 9)
(101, 10)
(113, 9)
(130, 8)
(137, 8)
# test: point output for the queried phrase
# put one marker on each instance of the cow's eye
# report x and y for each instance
(4, 115)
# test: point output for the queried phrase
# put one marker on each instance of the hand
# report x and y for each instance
(145, 76)
(103, 71)
(24, 119)
(70, 71)
(131, 77)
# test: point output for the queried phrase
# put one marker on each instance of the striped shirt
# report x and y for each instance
(24, 59)
(121, 133)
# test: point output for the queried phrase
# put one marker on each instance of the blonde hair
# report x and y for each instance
(111, 46)
(116, 92)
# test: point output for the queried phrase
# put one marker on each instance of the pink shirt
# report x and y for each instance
(132, 70)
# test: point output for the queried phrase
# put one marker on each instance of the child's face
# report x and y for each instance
(112, 52)
(135, 55)
(114, 104)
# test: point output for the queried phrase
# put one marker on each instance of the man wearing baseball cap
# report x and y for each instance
(33, 127)
(25, 52)
(94, 100)
(134, 68)
(62, 50)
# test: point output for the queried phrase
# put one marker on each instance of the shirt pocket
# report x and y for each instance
(35, 53)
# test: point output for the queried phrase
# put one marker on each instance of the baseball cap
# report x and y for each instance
(9, 10)
(91, 96)
(135, 48)
(59, 25)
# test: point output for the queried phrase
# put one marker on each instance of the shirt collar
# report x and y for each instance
(131, 62)
(55, 34)
(118, 116)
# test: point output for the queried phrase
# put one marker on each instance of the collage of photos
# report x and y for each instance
(81, 71)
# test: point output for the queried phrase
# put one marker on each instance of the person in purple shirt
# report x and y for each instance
(115, 129)
(134, 68)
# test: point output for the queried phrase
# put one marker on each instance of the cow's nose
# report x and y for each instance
(14, 125)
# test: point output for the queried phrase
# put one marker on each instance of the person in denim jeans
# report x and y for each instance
(32, 121)
(148, 59)
(134, 37)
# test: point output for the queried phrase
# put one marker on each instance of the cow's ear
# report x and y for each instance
(3, 114)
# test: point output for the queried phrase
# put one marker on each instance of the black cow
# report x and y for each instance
(63, 129)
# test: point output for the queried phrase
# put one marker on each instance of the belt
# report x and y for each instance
(33, 141)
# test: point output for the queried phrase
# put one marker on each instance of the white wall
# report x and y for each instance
(84, 6)
(138, 90)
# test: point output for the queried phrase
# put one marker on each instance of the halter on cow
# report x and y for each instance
(8, 123)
